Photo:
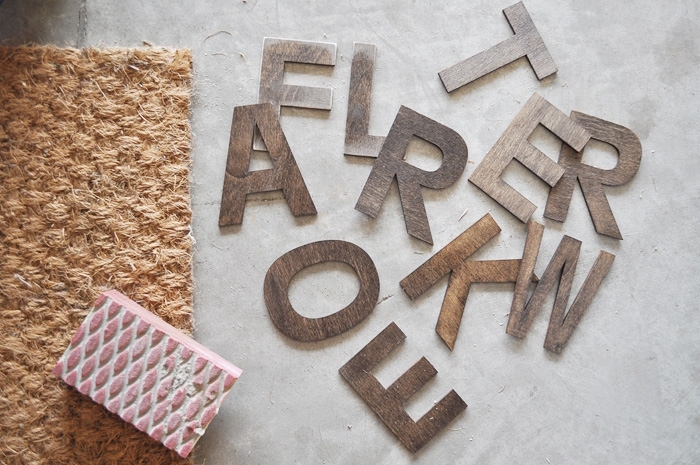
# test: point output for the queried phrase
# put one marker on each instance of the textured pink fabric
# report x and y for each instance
(146, 371)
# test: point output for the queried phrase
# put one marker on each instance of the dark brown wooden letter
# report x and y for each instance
(277, 52)
(390, 163)
(283, 270)
(358, 142)
(514, 144)
(593, 179)
(526, 42)
(239, 182)
(562, 267)
(453, 259)
(388, 403)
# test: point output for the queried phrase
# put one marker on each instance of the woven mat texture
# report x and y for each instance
(94, 195)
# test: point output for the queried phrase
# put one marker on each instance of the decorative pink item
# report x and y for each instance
(146, 371)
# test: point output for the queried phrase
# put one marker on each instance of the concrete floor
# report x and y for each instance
(626, 389)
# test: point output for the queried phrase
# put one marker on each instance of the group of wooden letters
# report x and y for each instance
(257, 126)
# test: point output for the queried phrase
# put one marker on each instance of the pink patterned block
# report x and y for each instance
(146, 371)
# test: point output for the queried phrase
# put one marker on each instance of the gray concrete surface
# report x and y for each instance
(626, 389)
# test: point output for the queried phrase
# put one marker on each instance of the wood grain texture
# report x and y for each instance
(450, 257)
(388, 403)
(514, 144)
(526, 42)
(561, 268)
(453, 259)
(390, 163)
(239, 182)
(280, 274)
(592, 179)
(277, 52)
(358, 141)
(461, 279)
(531, 250)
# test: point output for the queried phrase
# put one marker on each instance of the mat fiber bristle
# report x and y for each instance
(94, 195)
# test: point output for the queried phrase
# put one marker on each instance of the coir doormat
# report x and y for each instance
(94, 195)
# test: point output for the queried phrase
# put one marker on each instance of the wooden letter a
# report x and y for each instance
(285, 175)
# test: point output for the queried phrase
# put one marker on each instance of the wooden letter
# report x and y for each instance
(388, 403)
(453, 259)
(283, 270)
(358, 142)
(514, 144)
(535, 231)
(390, 163)
(561, 267)
(526, 42)
(593, 179)
(277, 52)
(239, 182)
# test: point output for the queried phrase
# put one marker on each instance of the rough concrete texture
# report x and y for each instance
(625, 390)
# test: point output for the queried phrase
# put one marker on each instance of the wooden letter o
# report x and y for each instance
(283, 270)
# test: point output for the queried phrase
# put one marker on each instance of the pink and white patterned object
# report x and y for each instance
(146, 371)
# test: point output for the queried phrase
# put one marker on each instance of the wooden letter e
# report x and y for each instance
(387, 403)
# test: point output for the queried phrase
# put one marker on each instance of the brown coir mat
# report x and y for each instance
(94, 195)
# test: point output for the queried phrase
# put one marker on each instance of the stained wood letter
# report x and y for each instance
(593, 179)
(562, 267)
(388, 403)
(525, 43)
(513, 144)
(277, 52)
(304, 329)
(239, 182)
(390, 163)
(453, 259)
(358, 142)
